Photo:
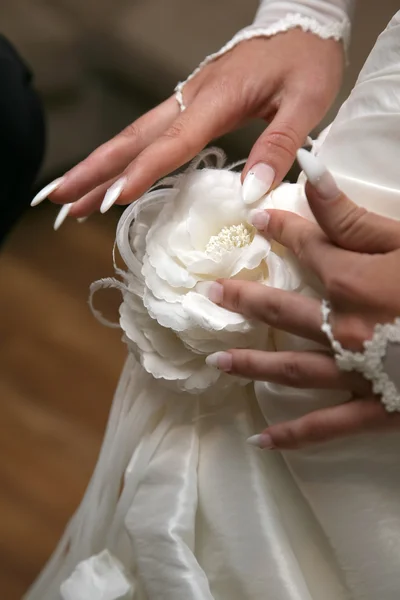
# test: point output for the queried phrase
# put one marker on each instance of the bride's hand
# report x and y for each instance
(277, 79)
(356, 256)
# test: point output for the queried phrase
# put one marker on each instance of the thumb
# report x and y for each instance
(345, 223)
(273, 153)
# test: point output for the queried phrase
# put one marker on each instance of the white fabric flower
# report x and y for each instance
(100, 577)
(178, 237)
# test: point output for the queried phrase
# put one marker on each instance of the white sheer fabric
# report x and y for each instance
(331, 18)
(191, 511)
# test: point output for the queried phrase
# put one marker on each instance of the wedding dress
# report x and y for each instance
(179, 506)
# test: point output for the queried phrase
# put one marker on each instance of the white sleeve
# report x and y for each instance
(328, 19)
(325, 18)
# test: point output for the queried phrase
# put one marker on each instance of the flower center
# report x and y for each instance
(235, 236)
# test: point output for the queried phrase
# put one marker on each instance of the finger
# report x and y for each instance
(189, 134)
(275, 150)
(307, 370)
(288, 311)
(328, 424)
(309, 244)
(110, 159)
(348, 225)
(90, 202)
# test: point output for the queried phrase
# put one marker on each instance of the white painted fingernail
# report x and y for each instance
(261, 440)
(112, 194)
(220, 360)
(257, 183)
(82, 219)
(260, 219)
(318, 175)
(213, 290)
(46, 191)
(62, 215)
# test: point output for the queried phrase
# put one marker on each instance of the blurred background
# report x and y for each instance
(97, 65)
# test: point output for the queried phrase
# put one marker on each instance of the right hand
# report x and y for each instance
(289, 80)
(356, 256)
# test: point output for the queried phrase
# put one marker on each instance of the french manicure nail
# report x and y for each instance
(257, 183)
(318, 175)
(213, 290)
(220, 360)
(62, 215)
(46, 191)
(260, 219)
(112, 194)
(261, 440)
(82, 219)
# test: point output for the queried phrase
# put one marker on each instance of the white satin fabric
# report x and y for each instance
(201, 515)
(194, 513)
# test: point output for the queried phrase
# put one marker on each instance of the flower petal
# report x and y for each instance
(129, 326)
(172, 316)
(207, 315)
(159, 287)
(167, 344)
(167, 268)
(162, 368)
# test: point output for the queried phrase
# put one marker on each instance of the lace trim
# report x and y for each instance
(369, 362)
(336, 31)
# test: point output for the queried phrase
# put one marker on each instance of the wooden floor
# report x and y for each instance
(58, 370)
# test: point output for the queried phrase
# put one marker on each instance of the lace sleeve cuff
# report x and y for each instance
(378, 362)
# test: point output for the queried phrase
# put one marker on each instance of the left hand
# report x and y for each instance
(356, 255)
(289, 80)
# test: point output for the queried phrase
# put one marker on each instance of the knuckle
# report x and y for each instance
(132, 131)
(247, 363)
(350, 222)
(311, 429)
(352, 332)
(341, 285)
(235, 298)
(291, 370)
(174, 131)
(283, 139)
(372, 414)
(287, 436)
(107, 153)
(177, 132)
(243, 363)
(277, 226)
(302, 243)
(272, 312)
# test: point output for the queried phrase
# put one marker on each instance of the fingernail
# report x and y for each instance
(46, 191)
(62, 215)
(257, 183)
(82, 219)
(213, 290)
(261, 440)
(318, 175)
(220, 360)
(260, 219)
(112, 194)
